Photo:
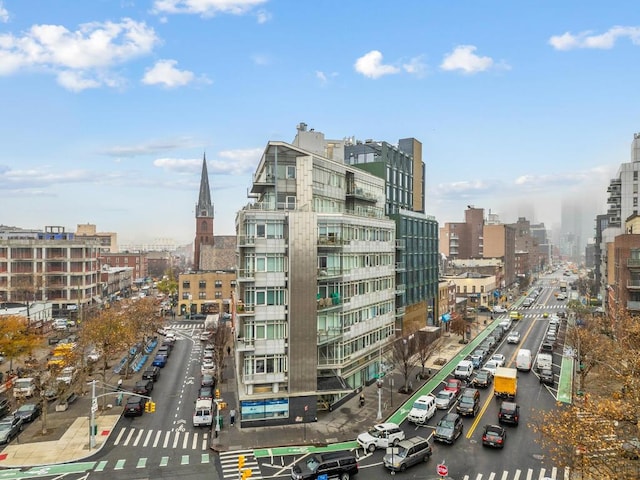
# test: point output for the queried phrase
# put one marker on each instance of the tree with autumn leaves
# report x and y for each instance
(597, 434)
(16, 338)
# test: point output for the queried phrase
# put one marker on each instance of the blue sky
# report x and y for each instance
(106, 106)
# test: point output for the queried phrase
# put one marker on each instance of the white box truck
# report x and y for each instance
(24, 387)
(203, 413)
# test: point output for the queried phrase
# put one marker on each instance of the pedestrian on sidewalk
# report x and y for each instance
(232, 416)
(361, 400)
(228, 350)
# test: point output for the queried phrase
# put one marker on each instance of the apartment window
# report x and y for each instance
(218, 294)
(218, 283)
(291, 202)
(186, 284)
(202, 284)
(202, 295)
(291, 171)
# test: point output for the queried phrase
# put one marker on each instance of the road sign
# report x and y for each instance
(442, 470)
(94, 405)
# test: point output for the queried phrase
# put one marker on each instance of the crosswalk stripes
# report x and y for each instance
(144, 462)
(229, 464)
(528, 474)
(174, 439)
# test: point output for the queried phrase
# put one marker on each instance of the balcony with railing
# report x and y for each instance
(324, 273)
(400, 267)
(329, 241)
(329, 336)
(401, 243)
(633, 262)
(360, 193)
(327, 303)
(633, 284)
(245, 344)
(401, 288)
(400, 311)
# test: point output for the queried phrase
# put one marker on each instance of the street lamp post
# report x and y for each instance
(379, 383)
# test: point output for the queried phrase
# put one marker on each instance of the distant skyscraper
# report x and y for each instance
(204, 217)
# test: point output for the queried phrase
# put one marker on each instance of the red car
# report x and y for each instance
(454, 385)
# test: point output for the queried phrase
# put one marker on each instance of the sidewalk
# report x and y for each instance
(342, 425)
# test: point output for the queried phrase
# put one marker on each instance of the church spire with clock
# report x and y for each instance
(204, 216)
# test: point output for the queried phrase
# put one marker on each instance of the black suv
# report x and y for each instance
(143, 387)
(509, 413)
(134, 406)
(469, 402)
(326, 465)
(449, 428)
(151, 373)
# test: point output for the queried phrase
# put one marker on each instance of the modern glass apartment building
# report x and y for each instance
(316, 289)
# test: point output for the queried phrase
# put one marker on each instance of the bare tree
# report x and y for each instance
(221, 340)
(425, 347)
(402, 351)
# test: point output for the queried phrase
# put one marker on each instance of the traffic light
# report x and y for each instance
(147, 407)
(217, 393)
(152, 406)
(240, 461)
(246, 473)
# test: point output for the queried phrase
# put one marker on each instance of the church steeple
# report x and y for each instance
(204, 217)
(204, 207)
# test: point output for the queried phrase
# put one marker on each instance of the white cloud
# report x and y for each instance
(263, 16)
(80, 58)
(206, 8)
(463, 58)
(370, 65)
(150, 148)
(325, 77)
(4, 13)
(586, 39)
(230, 162)
(164, 73)
(415, 66)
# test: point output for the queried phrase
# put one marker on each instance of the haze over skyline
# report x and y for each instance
(108, 107)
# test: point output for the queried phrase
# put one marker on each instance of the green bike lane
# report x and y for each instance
(47, 471)
(401, 413)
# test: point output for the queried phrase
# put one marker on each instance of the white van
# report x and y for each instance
(423, 409)
(464, 370)
(59, 324)
(24, 387)
(203, 413)
(523, 360)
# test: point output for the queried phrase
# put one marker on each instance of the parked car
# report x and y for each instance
(159, 361)
(205, 392)
(10, 427)
(482, 379)
(483, 308)
(454, 385)
(143, 387)
(29, 412)
(509, 413)
(494, 436)
(208, 366)
(382, 435)
(546, 376)
(514, 337)
(449, 428)
(151, 373)
(208, 380)
(410, 452)
(444, 399)
(134, 406)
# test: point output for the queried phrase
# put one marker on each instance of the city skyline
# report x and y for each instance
(110, 107)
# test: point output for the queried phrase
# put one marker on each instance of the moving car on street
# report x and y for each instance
(449, 428)
(382, 435)
(494, 436)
